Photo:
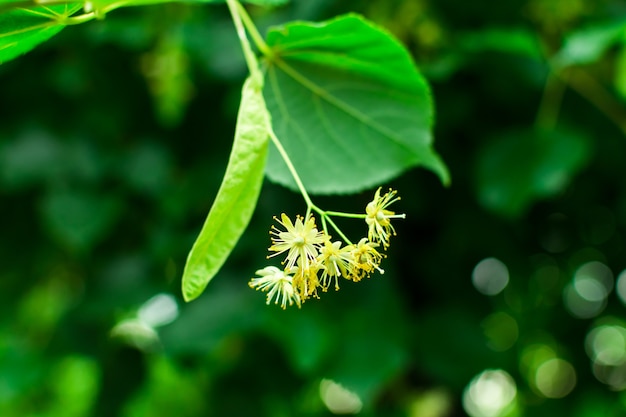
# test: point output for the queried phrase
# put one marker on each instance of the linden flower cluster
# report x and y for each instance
(313, 261)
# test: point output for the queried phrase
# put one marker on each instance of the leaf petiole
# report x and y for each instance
(294, 174)
(326, 218)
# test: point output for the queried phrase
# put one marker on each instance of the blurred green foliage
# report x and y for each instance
(115, 136)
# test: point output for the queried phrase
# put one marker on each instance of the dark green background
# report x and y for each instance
(109, 163)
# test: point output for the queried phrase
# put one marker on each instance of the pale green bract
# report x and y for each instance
(237, 196)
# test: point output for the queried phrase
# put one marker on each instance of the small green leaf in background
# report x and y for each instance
(147, 157)
(349, 106)
(75, 386)
(78, 220)
(587, 45)
(166, 69)
(35, 156)
(23, 29)
(237, 196)
(520, 167)
(508, 40)
(31, 157)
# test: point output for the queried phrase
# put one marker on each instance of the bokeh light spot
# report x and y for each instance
(533, 356)
(586, 296)
(140, 331)
(579, 306)
(490, 276)
(620, 287)
(489, 394)
(606, 345)
(595, 271)
(555, 378)
(338, 399)
(158, 311)
(590, 289)
(436, 402)
(613, 376)
(136, 333)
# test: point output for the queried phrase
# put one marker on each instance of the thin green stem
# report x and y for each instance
(348, 215)
(94, 14)
(324, 227)
(548, 112)
(254, 32)
(77, 20)
(293, 172)
(339, 232)
(235, 10)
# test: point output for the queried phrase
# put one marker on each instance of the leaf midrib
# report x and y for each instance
(342, 106)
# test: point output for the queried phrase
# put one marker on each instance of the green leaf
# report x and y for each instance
(508, 40)
(587, 45)
(348, 104)
(6, 5)
(29, 158)
(23, 29)
(77, 219)
(237, 196)
(523, 166)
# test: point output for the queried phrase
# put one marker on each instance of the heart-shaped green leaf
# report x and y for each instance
(348, 104)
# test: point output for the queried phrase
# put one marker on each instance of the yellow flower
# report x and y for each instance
(336, 262)
(305, 281)
(367, 259)
(313, 261)
(379, 218)
(300, 240)
(278, 285)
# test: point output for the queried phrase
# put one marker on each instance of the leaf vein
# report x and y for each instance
(341, 105)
